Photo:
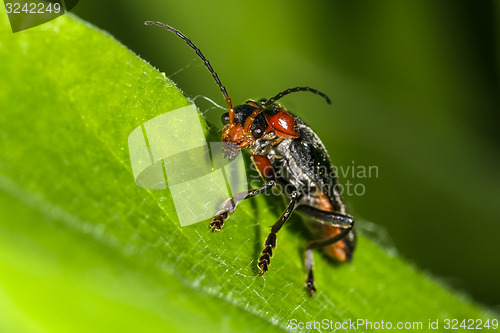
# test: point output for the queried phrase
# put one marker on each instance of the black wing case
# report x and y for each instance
(316, 169)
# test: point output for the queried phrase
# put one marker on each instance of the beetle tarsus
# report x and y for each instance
(266, 256)
(263, 265)
(310, 283)
(270, 241)
(218, 222)
(267, 253)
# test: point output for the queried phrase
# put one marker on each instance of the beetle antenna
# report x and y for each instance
(205, 60)
(291, 90)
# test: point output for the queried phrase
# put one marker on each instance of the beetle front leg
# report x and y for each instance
(266, 171)
(270, 243)
(228, 206)
(333, 219)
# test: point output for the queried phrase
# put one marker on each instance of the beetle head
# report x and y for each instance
(253, 122)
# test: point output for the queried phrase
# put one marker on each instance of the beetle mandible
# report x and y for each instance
(287, 153)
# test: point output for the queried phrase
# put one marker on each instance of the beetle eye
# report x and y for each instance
(257, 132)
(225, 118)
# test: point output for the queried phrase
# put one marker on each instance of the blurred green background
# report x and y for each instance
(415, 93)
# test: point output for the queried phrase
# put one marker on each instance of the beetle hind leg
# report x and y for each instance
(341, 221)
(309, 256)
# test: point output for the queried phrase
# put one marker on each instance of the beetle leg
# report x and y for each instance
(331, 218)
(270, 243)
(266, 171)
(228, 206)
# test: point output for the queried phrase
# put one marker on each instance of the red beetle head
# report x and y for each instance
(256, 121)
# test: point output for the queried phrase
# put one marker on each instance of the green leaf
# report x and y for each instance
(82, 248)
